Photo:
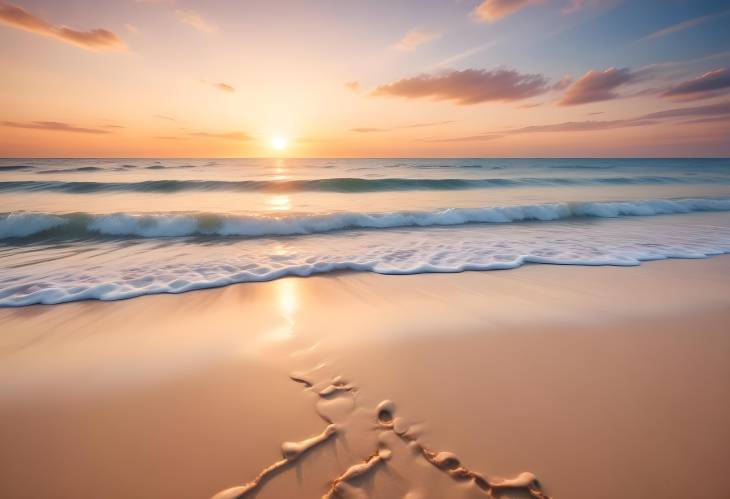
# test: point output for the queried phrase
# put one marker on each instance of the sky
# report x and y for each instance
(347, 78)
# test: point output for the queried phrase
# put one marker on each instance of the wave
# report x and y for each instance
(120, 269)
(13, 168)
(342, 185)
(159, 225)
(80, 169)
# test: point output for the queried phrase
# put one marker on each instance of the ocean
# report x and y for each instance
(109, 229)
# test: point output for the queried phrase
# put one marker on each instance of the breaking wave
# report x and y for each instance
(175, 224)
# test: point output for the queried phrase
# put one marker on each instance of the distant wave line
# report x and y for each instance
(341, 185)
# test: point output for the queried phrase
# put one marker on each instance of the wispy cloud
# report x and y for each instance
(192, 18)
(224, 87)
(494, 10)
(467, 53)
(684, 25)
(702, 114)
(580, 126)
(415, 38)
(469, 86)
(353, 86)
(169, 137)
(714, 119)
(163, 117)
(470, 138)
(401, 127)
(722, 108)
(596, 86)
(704, 86)
(94, 40)
(53, 126)
(240, 136)
(563, 83)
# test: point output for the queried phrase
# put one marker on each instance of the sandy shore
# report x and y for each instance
(605, 382)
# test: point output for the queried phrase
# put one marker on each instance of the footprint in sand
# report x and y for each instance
(335, 403)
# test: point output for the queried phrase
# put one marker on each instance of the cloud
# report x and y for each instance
(715, 119)
(722, 108)
(95, 39)
(707, 85)
(564, 83)
(704, 114)
(192, 18)
(225, 87)
(469, 86)
(163, 117)
(415, 38)
(401, 127)
(353, 85)
(241, 136)
(470, 138)
(595, 86)
(52, 126)
(494, 10)
(581, 126)
(169, 137)
(467, 53)
(684, 25)
(132, 28)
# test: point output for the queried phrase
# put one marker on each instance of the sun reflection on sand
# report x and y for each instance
(288, 297)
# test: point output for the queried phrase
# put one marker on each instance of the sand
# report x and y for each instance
(603, 382)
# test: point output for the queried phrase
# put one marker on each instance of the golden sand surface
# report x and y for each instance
(561, 381)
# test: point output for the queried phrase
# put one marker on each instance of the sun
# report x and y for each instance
(279, 143)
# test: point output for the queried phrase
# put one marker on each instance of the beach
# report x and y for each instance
(602, 381)
(366, 250)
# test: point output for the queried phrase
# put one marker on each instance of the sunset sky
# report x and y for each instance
(343, 78)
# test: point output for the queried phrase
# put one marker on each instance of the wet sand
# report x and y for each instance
(604, 382)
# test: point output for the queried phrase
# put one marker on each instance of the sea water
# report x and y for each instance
(76, 229)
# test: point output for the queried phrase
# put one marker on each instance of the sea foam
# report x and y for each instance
(124, 268)
(85, 225)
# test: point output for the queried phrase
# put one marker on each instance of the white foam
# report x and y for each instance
(180, 225)
(117, 269)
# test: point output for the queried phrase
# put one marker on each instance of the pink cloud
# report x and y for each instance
(95, 39)
(704, 86)
(595, 86)
(468, 86)
(192, 18)
(225, 87)
(353, 86)
(494, 10)
(53, 126)
(415, 38)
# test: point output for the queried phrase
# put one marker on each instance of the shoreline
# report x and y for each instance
(586, 376)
